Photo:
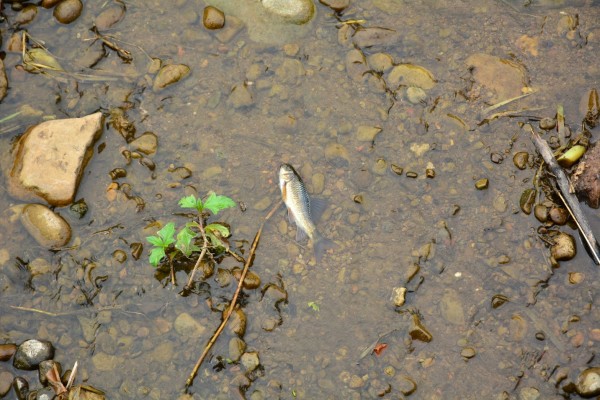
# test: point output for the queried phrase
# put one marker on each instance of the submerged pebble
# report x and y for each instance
(564, 247)
(68, 11)
(588, 382)
(213, 18)
(47, 228)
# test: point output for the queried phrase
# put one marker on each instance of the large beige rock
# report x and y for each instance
(50, 159)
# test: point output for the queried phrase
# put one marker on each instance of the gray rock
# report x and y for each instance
(250, 361)
(188, 327)
(31, 353)
(46, 393)
(49, 159)
(241, 96)
(451, 308)
(47, 228)
(146, 143)
(236, 348)
(588, 382)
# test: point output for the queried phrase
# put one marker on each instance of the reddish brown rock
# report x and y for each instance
(586, 178)
(49, 159)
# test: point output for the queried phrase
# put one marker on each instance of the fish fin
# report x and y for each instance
(291, 217)
(321, 245)
(317, 208)
(300, 234)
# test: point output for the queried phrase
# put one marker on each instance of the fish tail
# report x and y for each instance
(321, 245)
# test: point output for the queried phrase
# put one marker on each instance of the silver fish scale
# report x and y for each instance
(300, 207)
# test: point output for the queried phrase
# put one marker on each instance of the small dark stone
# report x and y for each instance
(496, 158)
(213, 18)
(498, 300)
(21, 387)
(547, 123)
(540, 336)
(31, 353)
(7, 351)
(79, 208)
(117, 173)
(45, 367)
(136, 250)
(68, 11)
(411, 174)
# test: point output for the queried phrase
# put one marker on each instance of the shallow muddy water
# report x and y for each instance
(256, 100)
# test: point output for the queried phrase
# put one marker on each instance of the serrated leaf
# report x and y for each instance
(223, 231)
(216, 203)
(167, 234)
(216, 242)
(191, 202)
(156, 255)
(185, 239)
(155, 241)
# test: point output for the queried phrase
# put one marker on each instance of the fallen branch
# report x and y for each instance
(233, 302)
(565, 193)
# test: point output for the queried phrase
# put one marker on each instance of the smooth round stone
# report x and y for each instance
(68, 11)
(380, 62)
(146, 143)
(47, 228)
(26, 15)
(213, 18)
(109, 17)
(170, 74)
(6, 379)
(293, 11)
(547, 124)
(236, 348)
(250, 361)
(588, 382)
(468, 352)
(7, 351)
(21, 387)
(31, 353)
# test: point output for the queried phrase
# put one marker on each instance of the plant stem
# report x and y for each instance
(233, 302)
(202, 253)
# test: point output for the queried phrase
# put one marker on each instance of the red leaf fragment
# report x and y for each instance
(378, 349)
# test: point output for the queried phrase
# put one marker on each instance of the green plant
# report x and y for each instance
(167, 245)
(314, 306)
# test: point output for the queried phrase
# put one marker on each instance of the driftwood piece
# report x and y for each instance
(570, 200)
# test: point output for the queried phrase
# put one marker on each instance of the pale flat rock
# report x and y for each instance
(504, 78)
(49, 159)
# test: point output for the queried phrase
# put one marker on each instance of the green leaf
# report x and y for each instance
(166, 234)
(156, 255)
(314, 306)
(223, 231)
(216, 203)
(216, 241)
(191, 202)
(185, 243)
(155, 241)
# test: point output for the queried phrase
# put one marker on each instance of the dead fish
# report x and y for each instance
(298, 204)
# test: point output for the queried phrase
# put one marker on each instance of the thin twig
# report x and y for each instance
(568, 198)
(249, 261)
